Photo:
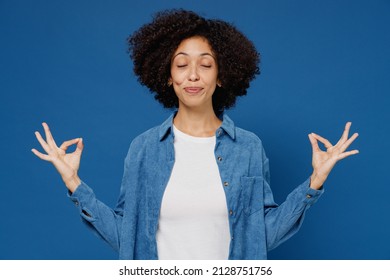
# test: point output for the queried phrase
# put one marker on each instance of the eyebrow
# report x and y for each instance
(186, 54)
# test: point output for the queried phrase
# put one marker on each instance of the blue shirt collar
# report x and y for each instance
(227, 126)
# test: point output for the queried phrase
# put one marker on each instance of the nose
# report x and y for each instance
(193, 74)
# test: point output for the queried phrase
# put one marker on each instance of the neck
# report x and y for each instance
(198, 123)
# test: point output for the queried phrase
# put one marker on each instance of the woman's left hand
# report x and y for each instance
(324, 161)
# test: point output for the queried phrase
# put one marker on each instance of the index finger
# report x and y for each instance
(49, 136)
(324, 141)
(344, 136)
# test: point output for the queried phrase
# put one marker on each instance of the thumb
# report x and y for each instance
(80, 146)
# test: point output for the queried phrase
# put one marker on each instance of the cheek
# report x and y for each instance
(209, 76)
(178, 77)
(211, 79)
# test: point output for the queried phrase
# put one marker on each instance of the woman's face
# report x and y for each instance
(194, 73)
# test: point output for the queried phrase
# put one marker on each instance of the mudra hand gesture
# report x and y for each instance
(324, 161)
(67, 164)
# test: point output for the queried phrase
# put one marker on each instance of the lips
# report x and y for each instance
(193, 90)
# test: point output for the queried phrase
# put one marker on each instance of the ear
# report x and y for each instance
(219, 83)
(169, 83)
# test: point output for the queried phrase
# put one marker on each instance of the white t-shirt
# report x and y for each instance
(193, 222)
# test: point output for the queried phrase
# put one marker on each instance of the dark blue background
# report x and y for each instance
(323, 63)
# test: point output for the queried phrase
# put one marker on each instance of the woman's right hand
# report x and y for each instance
(67, 164)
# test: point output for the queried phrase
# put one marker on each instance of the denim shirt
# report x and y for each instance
(257, 224)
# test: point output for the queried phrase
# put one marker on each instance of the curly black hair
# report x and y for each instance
(152, 46)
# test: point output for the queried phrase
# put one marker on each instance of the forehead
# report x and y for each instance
(194, 46)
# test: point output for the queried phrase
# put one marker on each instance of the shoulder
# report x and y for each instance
(145, 141)
(237, 134)
(246, 140)
(154, 134)
(150, 135)
(247, 137)
(252, 144)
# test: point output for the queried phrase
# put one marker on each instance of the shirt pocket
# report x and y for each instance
(252, 190)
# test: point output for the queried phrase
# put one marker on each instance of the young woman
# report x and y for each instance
(197, 186)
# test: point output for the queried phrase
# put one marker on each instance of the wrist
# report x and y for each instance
(316, 181)
(72, 183)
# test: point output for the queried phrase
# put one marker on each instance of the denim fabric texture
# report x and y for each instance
(257, 223)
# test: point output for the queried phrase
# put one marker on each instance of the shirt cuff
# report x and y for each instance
(311, 195)
(83, 198)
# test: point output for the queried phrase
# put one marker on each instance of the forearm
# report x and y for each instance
(99, 217)
(284, 221)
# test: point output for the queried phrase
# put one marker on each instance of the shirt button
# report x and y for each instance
(231, 212)
(308, 196)
(76, 203)
(225, 184)
(219, 132)
(219, 158)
